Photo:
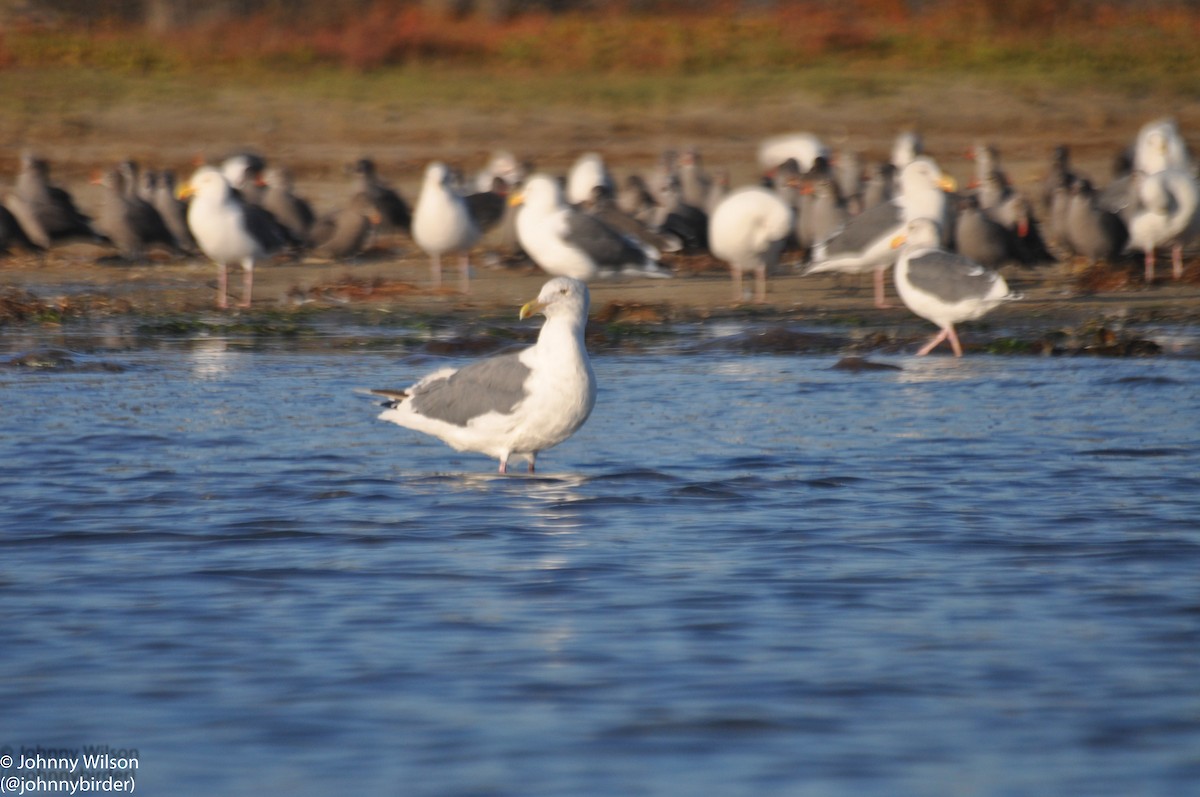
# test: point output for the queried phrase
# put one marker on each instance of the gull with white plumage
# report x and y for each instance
(516, 404)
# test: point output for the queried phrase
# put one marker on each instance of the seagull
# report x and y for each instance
(880, 186)
(229, 229)
(848, 176)
(988, 171)
(943, 287)
(586, 173)
(488, 207)
(979, 237)
(172, 210)
(502, 166)
(748, 230)
(682, 220)
(694, 183)
(290, 210)
(392, 207)
(18, 227)
(826, 213)
(635, 198)
(604, 207)
(805, 148)
(442, 223)
(345, 232)
(1092, 231)
(906, 148)
(1159, 146)
(127, 220)
(244, 172)
(515, 404)
(48, 206)
(1168, 215)
(567, 242)
(1059, 175)
(864, 243)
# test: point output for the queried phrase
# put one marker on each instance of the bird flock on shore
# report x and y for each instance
(823, 210)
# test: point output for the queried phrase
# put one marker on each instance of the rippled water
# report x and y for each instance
(744, 575)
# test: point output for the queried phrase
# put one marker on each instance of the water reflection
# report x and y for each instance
(211, 358)
(918, 370)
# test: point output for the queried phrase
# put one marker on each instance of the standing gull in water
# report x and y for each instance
(943, 287)
(229, 229)
(442, 223)
(515, 404)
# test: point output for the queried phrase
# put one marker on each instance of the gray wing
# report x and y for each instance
(496, 384)
(865, 229)
(605, 246)
(949, 277)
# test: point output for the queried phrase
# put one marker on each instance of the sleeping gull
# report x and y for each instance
(748, 230)
(804, 148)
(567, 242)
(864, 243)
(442, 223)
(515, 404)
(586, 173)
(229, 229)
(943, 287)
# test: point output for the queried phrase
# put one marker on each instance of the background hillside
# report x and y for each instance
(1129, 45)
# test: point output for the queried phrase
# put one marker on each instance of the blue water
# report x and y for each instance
(745, 575)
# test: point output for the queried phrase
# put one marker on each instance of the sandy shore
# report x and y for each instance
(1055, 315)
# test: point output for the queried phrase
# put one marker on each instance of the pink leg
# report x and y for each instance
(1177, 261)
(504, 464)
(222, 286)
(436, 265)
(880, 301)
(531, 464)
(465, 276)
(931, 345)
(1149, 266)
(736, 273)
(760, 284)
(247, 286)
(954, 344)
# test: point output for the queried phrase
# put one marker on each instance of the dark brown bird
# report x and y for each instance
(290, 210)
(50, 206)
(395, 212)
(128, 221)
(344, 233)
